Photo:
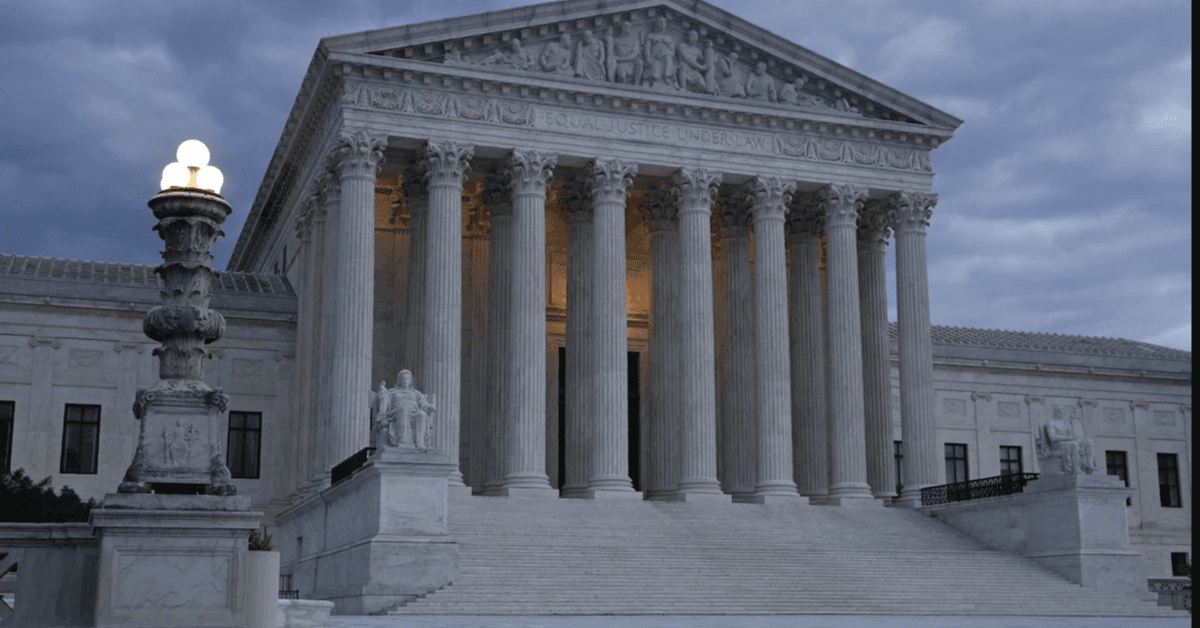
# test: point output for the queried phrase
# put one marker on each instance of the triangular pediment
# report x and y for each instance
(664, 46)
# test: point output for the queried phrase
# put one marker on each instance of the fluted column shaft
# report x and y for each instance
(877, 377)
(440, 373)
(694, 190)
(579, 406)
(910, 214)
(498, 197)
(769, 199)
(605, 361)
(329, 196)
(305, 340)
(809, 435)
(352, 295)
(739, 429)
(664, 348)
(525, 402)
(848, 465)
(416, 192)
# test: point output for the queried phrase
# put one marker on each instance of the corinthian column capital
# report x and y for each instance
(326, 186)
(910, 211)
(611, 179)
(530, 170)
(695, 188)
(874, 225)
(736, 213)
(413, 185)
(663, 209)
(359, 155)
(446, 163)
(577, 196)
(806, 219)
(497, 193)
(841, 203)
(769, 197)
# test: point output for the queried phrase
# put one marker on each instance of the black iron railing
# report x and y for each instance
(976, 489)
(286, 592)
(347, 467)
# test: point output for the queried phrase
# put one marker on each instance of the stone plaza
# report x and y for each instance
(581, 279)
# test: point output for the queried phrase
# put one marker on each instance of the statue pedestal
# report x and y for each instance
(172, 560)
(377, 539)
(1077, 528)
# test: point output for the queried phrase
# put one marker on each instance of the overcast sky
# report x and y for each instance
(1065, 197)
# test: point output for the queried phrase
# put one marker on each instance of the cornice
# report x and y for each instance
(1025, 368)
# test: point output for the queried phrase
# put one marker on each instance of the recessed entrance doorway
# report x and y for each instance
(633, 427)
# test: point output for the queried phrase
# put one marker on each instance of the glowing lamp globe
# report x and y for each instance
(192, 171)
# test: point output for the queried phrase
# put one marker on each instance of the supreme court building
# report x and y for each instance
(629, 249)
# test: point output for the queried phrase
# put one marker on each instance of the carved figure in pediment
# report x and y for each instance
(729, 77)
(453, 56)
(556, 58)
(760, 86)
(624, 55)
(842, 104)
(589, 58)
(515, 57)
(695, 67)
(660, 55)
(790, 94)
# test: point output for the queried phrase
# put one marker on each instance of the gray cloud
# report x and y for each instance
(1064, 199)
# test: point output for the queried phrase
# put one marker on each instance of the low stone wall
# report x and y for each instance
(1072, 524)
(304, 614)
(57, 567)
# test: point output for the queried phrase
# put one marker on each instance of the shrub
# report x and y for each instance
(261, 541)
(22, 501)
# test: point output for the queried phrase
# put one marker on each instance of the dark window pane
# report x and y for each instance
(245, 437)
(237, 420)
(1168, 480)
(250, 464)
(6, 432)
(254, 420)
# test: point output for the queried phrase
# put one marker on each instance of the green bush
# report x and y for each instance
(22, 501)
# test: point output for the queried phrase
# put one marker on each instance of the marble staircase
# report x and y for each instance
(528, 556)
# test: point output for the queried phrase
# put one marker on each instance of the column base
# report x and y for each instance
(458, 489)
(695, 496)
(659, 494)
(528, 491)
(608, 494)
(777, 498)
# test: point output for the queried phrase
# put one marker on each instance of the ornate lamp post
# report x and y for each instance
(179, 449)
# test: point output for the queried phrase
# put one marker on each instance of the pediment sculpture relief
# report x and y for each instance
(651, 55)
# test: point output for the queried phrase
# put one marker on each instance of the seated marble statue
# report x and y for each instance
(1061, 447)
(401, 416)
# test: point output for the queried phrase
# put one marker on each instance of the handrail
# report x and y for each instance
(1006, 484)
(347, 467)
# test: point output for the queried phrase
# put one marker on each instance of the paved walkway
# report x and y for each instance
(773, 621)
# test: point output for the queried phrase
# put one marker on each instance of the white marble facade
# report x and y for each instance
(463, 198)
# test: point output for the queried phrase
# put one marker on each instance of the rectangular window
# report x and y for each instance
(245, 444)
(898, 454)
(1115, 463)
(7, 410)
(81, 439)
(1180, 567)
(1168, 480)
(1010, 460)
(956, 463)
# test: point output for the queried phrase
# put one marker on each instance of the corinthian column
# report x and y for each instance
(329, 195)
(664, 348)
(809, 420)
(769, 198)
(352, 295)
(526, 401)
(446, 165)
(873, 233)
(694, 190)
(910, 212)
(847, 438)
(580, 409)
(497, 195)
(605, 360)
(738, 427)
(306, 335)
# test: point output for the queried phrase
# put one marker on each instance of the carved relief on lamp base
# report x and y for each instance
(179, 439)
